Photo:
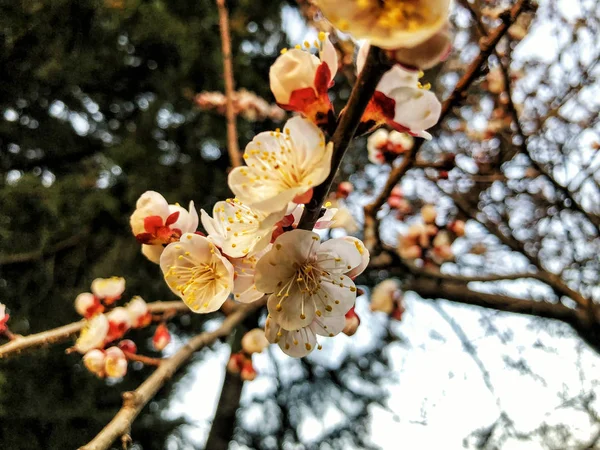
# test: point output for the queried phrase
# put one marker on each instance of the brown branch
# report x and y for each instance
(375, 66)
(134, 401)
(146, 360)
(232, 139)
(63, 333)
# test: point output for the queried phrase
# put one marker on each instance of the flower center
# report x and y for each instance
(405, 14)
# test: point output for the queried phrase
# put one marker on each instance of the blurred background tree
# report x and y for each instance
(97, 106)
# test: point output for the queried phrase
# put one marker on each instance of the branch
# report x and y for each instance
(63, 333)
(232, 139)
(134, 401)
(375, 66)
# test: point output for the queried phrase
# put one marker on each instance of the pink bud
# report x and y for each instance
(397, 192)
(345, 188)
(115, 365)
(412, 252)
(248, 373)
(161, 337)
(119, 322)
(352, 322)
(236, 361)
(94, 362)
(128, 346)
(88, 305)
(395, 202)
(457, 227)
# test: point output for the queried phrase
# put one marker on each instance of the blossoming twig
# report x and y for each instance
(134, 401)
(60, 334)
(487, 46)
(232, 139)
(375, 66)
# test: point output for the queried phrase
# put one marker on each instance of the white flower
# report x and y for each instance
(300, 81)
(388, 24)
(383, 142)
(93, 334)
(196, 271)
(115, 363)
(108, 289)
(306, 279)
(254, 341)
(324, 222)
(2, 312)
(152, 252)
(94, 361)
(155, 222)
(3, 318)
(282, 166)
(138, 312)
(400, 101)
(244, 289)
(239, 229)
(299, 343)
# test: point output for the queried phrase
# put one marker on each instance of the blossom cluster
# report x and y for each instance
(252, 246)
(428, 242)
(107, 323)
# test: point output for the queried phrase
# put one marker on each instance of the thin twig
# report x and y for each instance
(145, 360)
(232, 139)
(61, 334)
(375, 66)
(134, 401)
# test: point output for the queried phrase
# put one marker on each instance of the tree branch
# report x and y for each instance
(134, 401)
(63, 333)
(232, 139)
(375, 66)
(25, 257)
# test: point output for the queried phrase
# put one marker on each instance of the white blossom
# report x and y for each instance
(108, 289)
(196, 271)
(306, 278)
(239, 229)
(93, 334)
(282, 166)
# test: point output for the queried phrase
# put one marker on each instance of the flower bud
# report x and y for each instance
(3, 318)
(119, 323)
(248, 373)
(428, 213)
(457, 227)
(161, 337)
(235, 363)
(397, 192)
(344, 189)
(115, 365)
(254, 341)
(385, 295)
(87, 305)
(411, 252)
(395, 202)
(138, 312)
(94, 361)
(352, 322)
(93, 334)
(128, 346)
(108, 289)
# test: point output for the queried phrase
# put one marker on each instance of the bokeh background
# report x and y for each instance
(97, 105)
